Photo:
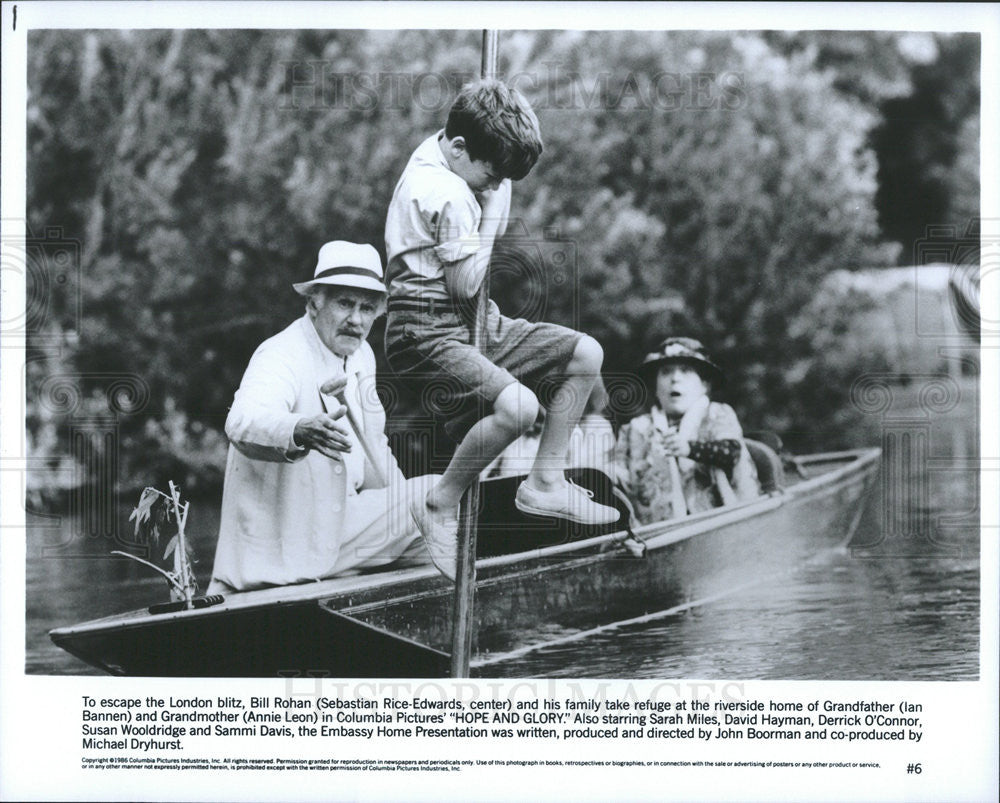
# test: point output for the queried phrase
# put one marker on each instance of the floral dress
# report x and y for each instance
(719, 461)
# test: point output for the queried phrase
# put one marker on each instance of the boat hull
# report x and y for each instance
(398, 624)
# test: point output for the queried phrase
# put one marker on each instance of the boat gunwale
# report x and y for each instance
(656, 535)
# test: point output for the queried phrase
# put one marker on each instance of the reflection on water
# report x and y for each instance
(71, 577)
(836, 619)
(901, 604)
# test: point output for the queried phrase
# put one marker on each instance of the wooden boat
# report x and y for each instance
(398, 623)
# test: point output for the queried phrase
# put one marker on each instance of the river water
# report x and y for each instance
(901, 603)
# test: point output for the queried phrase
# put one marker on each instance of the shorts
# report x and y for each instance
(458, 383)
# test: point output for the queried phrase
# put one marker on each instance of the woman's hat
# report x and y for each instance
(683, 350)
(348, 265)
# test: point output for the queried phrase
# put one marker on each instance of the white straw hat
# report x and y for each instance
(346, 264)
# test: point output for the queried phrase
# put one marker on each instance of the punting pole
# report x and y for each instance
(465, 569)
(359, 432)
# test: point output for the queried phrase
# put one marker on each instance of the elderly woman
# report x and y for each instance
(687, 453)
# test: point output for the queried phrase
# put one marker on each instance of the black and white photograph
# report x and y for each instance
(587, 401)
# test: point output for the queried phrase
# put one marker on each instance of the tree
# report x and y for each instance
(928, 146)
(707, 182)
(691, 182)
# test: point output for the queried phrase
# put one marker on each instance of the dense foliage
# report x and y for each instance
(692, 182)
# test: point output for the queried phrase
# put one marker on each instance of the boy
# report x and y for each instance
(449, 206)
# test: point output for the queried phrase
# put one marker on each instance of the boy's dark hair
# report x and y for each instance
(498, 126)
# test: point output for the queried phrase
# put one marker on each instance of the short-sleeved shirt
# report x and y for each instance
(433, 220)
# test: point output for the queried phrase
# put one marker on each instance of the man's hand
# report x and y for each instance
(324, 434)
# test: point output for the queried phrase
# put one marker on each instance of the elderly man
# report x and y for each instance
(306, 498)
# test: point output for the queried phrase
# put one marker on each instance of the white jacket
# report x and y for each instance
(283, 508)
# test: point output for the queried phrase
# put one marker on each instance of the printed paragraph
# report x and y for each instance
(153, 724)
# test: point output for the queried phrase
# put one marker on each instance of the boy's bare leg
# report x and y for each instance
(546, 491)
(514, 412)
(564, 413)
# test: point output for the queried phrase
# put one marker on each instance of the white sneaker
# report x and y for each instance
(440, 537)
(566, 501)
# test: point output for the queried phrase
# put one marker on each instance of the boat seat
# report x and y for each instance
(770, 471)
